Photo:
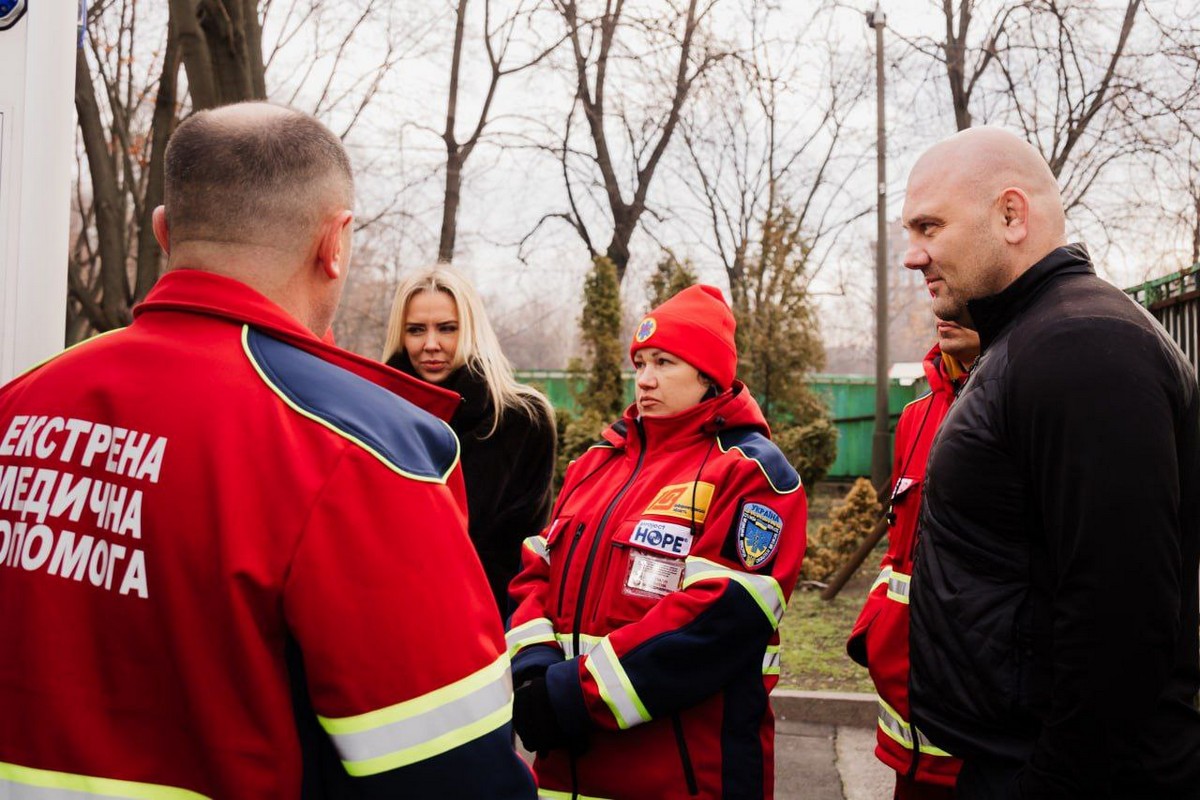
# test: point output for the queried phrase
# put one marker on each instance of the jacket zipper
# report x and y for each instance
(689, 774)
(597, 536)
(562, 588)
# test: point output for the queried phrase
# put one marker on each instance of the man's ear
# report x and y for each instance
(162, 234)
(330, 245)
(1014, 206)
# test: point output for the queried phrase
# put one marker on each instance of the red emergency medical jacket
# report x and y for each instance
(652, 601)
(183, 500)
(879, 640)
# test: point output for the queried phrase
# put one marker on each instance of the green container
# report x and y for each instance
(850, 399)
(851, 403)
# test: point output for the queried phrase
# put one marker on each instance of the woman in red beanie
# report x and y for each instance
(645, 638)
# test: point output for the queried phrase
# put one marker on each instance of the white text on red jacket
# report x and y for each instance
(47, 505)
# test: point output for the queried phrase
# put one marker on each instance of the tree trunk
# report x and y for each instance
(454, 154)
(197, 61)
(258, 70)
(454, 167)
(225, 30)
(106, 197)
(149, 256)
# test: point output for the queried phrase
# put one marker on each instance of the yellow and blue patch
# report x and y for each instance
(758, 532)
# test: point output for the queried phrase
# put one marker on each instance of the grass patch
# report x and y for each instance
(813, 641)
(814, 632)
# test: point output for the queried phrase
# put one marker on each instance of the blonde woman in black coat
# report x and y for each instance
(439, 332)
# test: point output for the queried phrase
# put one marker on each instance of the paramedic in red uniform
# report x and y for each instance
(879, 640)
(185, 500)
(645, 633)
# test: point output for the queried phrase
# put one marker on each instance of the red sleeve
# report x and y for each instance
(404, 672)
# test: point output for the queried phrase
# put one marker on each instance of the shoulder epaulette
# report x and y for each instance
(770, 459)
(406, 439)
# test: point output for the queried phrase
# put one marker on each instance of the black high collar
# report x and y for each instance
(992, 314)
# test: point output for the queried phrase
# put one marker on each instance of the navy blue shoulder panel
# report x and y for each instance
(753, 445)
(406, 438)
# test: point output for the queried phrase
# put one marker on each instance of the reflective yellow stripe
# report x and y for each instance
(895, 726)
(538, 545)
(26, 783)
(615, 687)
(587, 643)
(763, 588)
(424, 726)
(554, 794)
(535, 631)
(898, 587)
(771, 660)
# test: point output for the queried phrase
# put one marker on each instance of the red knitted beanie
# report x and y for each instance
(697, 326)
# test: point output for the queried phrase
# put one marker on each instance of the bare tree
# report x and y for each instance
(619, 55)
(498, 37)
(1065, 73)
(128, 100)
(765, 138)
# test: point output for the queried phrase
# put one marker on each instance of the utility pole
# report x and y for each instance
(880, 461)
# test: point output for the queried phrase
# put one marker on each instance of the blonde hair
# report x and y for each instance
(478, 348)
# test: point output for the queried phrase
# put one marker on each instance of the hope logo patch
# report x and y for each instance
(663, 537)
(758, 531)
(645, 330)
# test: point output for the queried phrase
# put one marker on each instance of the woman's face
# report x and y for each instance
(431, 334)
(666, 384)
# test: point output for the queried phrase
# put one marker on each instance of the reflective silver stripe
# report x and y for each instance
(771, 660)
(898, 587)
(894, 726)
(425, 726)
(535, 631)
(26, 783)
(884, 575)
(763, 588)
(928, 747)
(587, 643)
(538, 545)
(615, 687)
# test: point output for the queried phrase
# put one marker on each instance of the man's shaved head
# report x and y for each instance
(985, 161)
(254, 174)
(981, 207)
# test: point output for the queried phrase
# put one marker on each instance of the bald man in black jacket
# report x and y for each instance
(1054, 595)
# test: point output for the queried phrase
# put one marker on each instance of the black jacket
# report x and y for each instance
(1054, 595)
(508, 475)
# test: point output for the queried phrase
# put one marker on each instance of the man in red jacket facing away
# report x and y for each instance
(185, 502)
(879, 640)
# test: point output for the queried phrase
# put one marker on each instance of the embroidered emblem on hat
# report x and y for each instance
(646, 330)
(758, 531)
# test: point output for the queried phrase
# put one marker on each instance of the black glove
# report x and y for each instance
(534, 719)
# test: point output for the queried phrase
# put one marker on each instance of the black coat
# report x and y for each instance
(508, 475)
(1054, 595)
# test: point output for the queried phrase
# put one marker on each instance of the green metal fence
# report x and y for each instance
(850, 399)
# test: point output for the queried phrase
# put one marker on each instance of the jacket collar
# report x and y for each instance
(735, 408)
(992, 314)
(475, 407)
(191, 291)
(936, 374)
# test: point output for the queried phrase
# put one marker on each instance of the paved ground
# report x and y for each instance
(825, 747)
(816, 761)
